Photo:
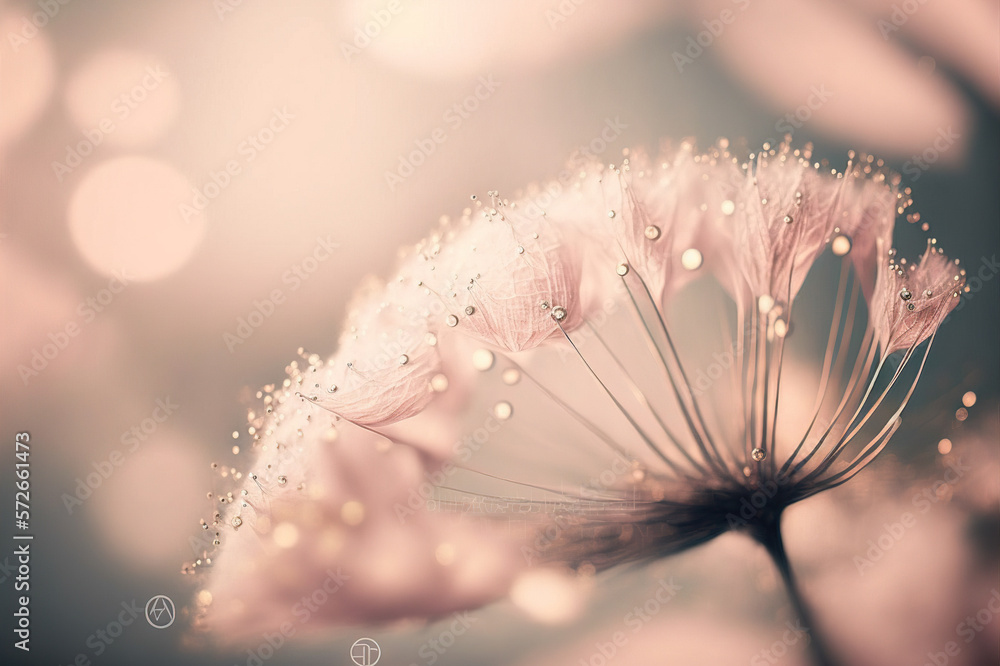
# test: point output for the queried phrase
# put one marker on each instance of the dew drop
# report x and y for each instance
(765, 303)
(520, 249)
(611, 214)
(788, 219)
(559, 313)
(905, 294)
(841, 245)
(469, 310)
(482, 359)
(237, 521)
(728, 207)
(452, 320)
(781, 328)
(758, 454)
(622, 269)
(439, 383)
(652, 232)
(404, 359)
(691, 259)
(503, 410)
(282, 480)
(911, 307)
(928, 293)
(236, 450)
(511, 376)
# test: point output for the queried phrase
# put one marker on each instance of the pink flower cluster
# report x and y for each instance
(401, 467)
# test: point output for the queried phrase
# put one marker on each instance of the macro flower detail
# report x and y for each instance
(485, 384)
(911, 300)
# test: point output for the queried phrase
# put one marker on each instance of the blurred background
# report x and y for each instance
(191, 191)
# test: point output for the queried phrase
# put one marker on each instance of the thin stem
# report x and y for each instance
(768, 532)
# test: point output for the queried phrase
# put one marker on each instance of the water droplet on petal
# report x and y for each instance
(906, 294)
(503, 410)
(728, 207)
(520, 250)
(788, 219)
(452, 320)
(404, 359)
(482, 359)
(841, 245)
(511, 376)
(622, 269)
(559, 313)
(781, 328)
(282, 480)
(765, 303)
(237, 521)
(652, 232)
(469, 310)
(758, 454)
(611, 213)
(439, 383)
(691, 259)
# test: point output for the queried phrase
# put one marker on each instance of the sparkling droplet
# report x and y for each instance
(404, 359)
(452, 320)
(728, 207)
(781, 328)
(911, 307)
(332, 389)
(652, 232)
(622, 269)
(439, 383)
(520, 250)
(469, 310)
(841, 245)
(765, 303)
(905, 294)
(237, 521)
(482, 359)
(788, 219)
(236, 450)
(503, 410)
(928, 293)
(611, 214)
(282, 480)
(511, 376)
(691, 259)
(758, 454)
(559, 313)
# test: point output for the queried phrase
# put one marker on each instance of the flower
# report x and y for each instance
(610, 428)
